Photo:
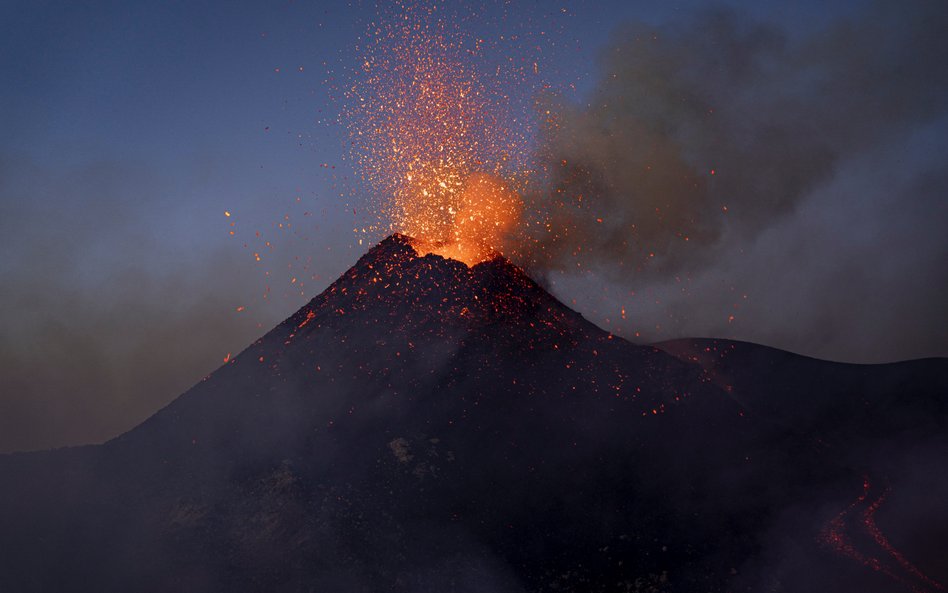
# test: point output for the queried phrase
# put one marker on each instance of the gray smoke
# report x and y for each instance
(712, 148)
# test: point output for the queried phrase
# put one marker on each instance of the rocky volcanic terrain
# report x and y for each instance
(422, 426)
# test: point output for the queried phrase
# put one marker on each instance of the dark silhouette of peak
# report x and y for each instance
(393, 279)
(422, 425)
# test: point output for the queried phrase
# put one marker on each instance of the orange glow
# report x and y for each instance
(430, 134)
(484, 214)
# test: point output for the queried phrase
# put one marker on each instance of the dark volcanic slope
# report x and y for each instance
(422, 426)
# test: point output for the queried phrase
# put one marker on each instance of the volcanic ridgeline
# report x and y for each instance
(425, 426)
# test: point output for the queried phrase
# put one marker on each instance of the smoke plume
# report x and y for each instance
(702, 135)
(720, 126)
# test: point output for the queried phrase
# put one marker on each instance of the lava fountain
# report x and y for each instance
(433, 134)
(484, 215)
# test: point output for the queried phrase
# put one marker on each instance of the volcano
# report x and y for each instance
(425, 426)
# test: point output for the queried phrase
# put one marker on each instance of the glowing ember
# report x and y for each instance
(838, 534)
(429, 132)
(486, 213)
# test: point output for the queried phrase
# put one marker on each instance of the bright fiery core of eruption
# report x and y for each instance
(433, 135)
(481, 217)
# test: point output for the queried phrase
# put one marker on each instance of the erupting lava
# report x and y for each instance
(486, 211)
(429, 132)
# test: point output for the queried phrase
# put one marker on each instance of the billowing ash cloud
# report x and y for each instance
(719, 126)
(730, 178)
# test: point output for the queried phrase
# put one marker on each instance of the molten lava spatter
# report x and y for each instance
(487, 212)
(431, 131)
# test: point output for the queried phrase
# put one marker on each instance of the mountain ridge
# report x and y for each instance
(425, 426)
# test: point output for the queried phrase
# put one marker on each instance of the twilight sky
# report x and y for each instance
(130, 128)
